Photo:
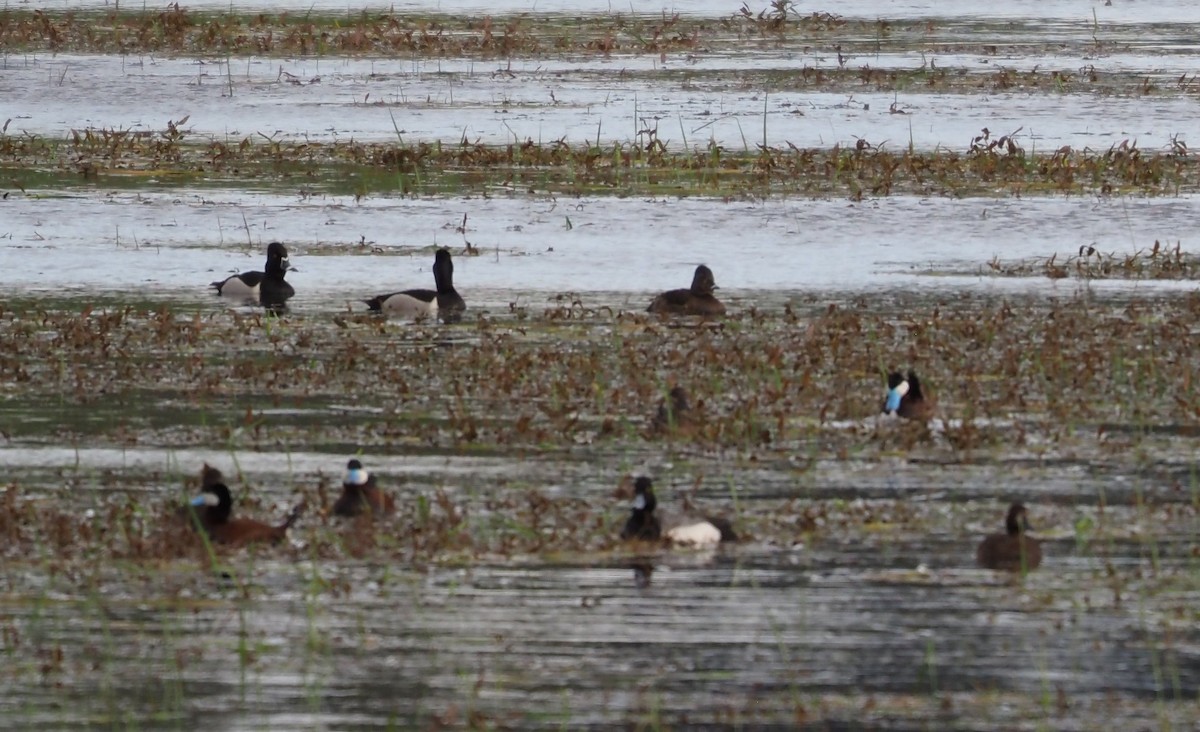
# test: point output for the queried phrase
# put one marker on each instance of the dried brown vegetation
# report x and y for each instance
(773, 386)
(989, 166)
(1157, 263)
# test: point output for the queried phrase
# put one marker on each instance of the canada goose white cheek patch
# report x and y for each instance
(639, 502)
(701, 534)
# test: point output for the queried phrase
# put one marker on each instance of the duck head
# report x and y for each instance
(355, 474)
(643, 496)
(1017, 521)
(898, 388)
(703, 282)
(642, 523)
(215, 503)
(277, 258)
(443, 270)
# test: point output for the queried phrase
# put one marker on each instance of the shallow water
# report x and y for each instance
(175, 242)
(721, 101)
(854, 601)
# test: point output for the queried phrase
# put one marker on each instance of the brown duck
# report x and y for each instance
(696, 300)
(675, 414)
(360, 494)
(1011, 551)
(214, 507)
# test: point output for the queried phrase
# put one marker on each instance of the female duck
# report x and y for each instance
(213, 509)
(360, 494)
(644, 525)
(907, 399)
(696, 300)
(444, 302)
(268, 288)
(1011, 551)
(674, 415)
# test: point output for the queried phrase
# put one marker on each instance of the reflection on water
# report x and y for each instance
(747, 634)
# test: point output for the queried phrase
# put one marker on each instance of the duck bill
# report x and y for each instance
(895, 395)
(204, 499)
(356, 477)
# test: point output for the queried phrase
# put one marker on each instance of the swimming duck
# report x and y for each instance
(674, 414)
(214, 506)
(644, 525)
(268, 288)
(360, 494)
(1011, 551)
(444, 302)
(696, 300)
(906, 398)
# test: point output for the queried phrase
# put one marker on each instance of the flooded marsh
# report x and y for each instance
(501, 580)
(999, 198)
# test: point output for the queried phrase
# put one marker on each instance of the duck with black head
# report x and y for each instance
(644, 523)
(696, 300)
(212, 510)
(1012, 551)
(444, 302)
(361, 495)
(907, 398)
(267, 288)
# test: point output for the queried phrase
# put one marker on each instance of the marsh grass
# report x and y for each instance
(1158, 262)
(812, 376)
(132, 160)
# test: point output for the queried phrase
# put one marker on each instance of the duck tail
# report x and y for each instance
(292, 517)
(725, 527)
